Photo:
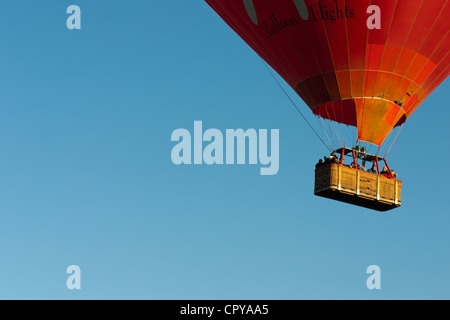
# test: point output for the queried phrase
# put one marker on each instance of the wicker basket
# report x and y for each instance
(357, 187)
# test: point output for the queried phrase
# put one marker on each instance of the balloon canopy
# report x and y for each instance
(363, 63)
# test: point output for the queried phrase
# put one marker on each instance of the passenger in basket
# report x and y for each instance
(335, 159)
(331, 159)
(373, 169)
(319, 164)
(386, 173)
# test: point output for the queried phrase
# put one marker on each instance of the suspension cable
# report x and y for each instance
(394, 143)
(295, 106)
(324, 129)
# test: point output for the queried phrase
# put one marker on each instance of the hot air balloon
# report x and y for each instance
(367, 64)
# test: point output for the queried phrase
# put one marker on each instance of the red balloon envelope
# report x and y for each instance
(364, 63)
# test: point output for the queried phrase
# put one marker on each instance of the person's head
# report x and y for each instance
(374, 166)
(320, 161)
(385, 169)
(352, 165)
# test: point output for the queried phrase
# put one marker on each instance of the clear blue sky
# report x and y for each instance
(86, 176)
